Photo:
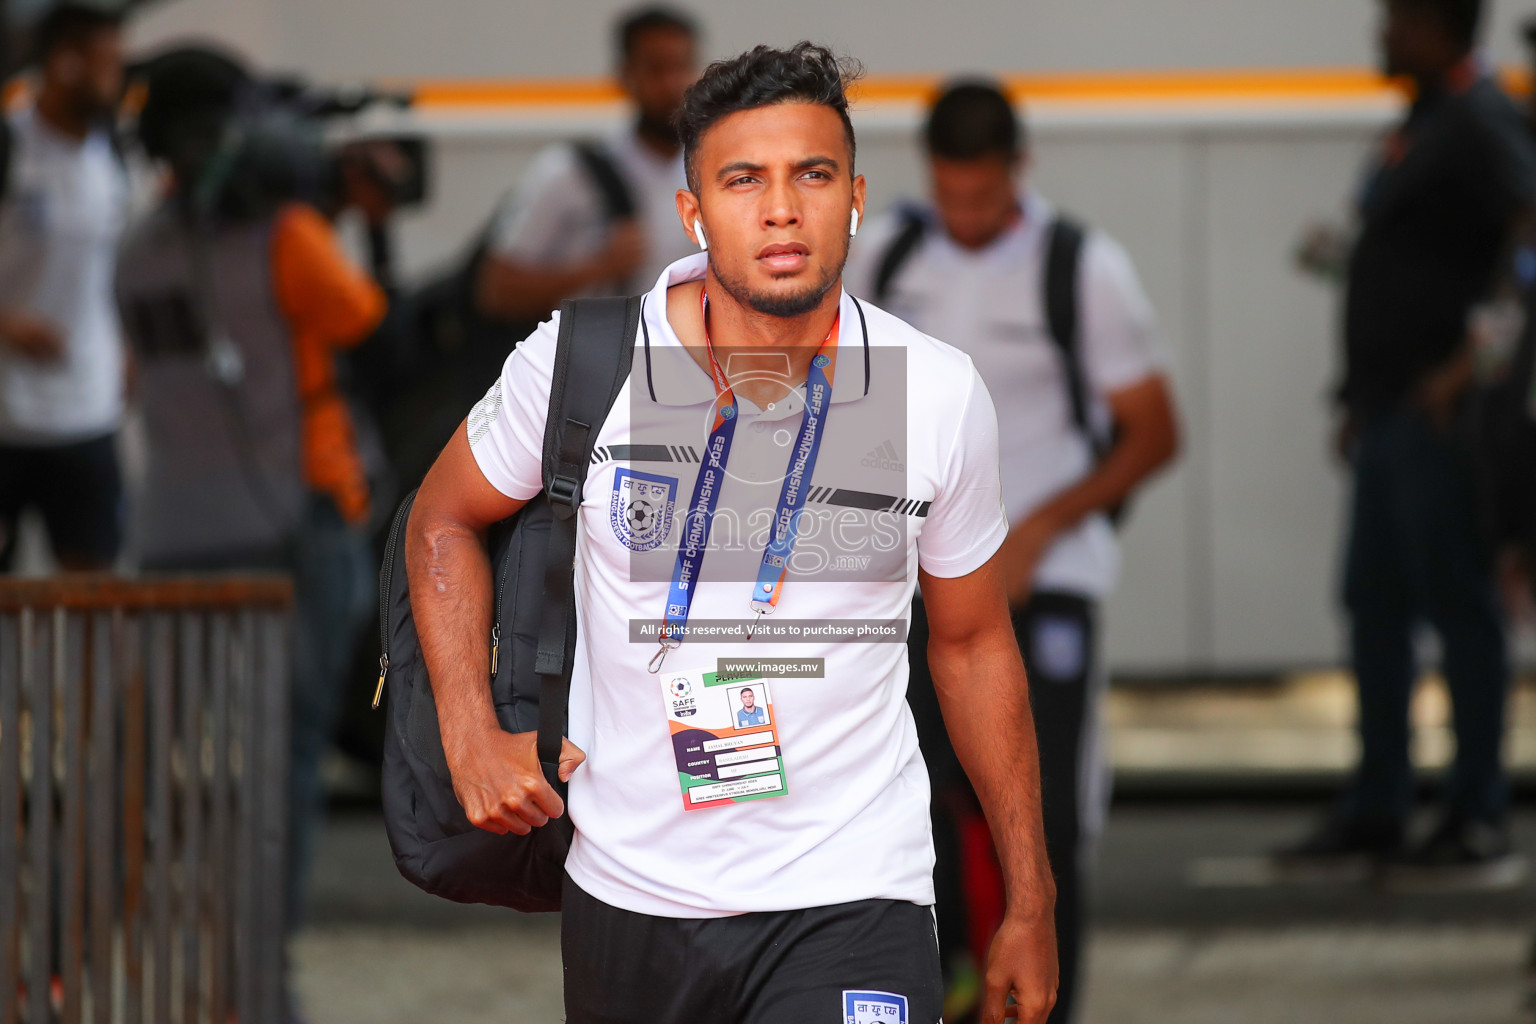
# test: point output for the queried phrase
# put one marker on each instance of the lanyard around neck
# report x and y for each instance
(771, 574)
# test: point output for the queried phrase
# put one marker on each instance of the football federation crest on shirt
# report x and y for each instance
(640, 510)
(874, 1008)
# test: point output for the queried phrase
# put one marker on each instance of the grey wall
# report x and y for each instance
(369, 39)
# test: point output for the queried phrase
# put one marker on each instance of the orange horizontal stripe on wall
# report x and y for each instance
(1293, 84)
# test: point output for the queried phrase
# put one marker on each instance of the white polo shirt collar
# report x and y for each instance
(672, 377)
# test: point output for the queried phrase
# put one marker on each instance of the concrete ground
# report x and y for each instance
(1188, 928)
(1174, 941)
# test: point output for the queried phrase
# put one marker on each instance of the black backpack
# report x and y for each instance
(533, 636)
(1063, 258)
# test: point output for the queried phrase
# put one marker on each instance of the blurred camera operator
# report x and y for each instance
(237, 299)
(598, 218)
(63, 202)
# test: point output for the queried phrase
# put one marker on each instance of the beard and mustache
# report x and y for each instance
(784, 305)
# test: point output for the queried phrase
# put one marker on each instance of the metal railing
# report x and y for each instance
(143, 774)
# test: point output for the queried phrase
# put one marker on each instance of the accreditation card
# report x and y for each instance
(724, 737)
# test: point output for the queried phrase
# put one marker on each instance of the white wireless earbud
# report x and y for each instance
(698, 232)
(853, 228)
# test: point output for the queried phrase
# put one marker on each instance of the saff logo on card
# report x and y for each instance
(640, 510)
(683, 702)
(874, 1008)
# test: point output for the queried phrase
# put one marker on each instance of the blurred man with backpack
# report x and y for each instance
(1061, 332)
(589, 217)
(596, 218)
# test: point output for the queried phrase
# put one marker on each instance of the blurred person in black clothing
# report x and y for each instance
(1438, 212)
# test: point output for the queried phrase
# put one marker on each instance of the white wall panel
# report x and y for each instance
(1133, 186)
(1276, 492)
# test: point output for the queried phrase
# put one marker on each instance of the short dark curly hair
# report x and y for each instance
(973, 118)
(70, 25)
(1459, 18)
(648, 19)
(764, 77)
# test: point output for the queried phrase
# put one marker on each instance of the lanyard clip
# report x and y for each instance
(762, 608)
(667, 644)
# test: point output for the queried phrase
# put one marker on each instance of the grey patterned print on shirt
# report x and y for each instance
(484, 414)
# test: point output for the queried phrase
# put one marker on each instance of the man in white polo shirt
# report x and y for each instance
(1062, 334)
(789, 877)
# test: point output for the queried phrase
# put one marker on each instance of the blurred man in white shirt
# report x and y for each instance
(597, 218)
(62, 209)
(1060, 330)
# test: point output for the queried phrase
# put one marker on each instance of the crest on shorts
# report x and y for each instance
(874, 1008)
(1061, 648)
(640, 510)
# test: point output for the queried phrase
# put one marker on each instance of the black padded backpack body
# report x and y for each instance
(532, 642)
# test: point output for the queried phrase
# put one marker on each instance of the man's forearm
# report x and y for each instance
(515, 291)
(450, 582)
(1110, 483)
(1147, 440)
(985, 698)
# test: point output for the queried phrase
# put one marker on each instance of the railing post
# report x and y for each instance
(69, 687)
(10, 814)
(36, 683)
(107, 636)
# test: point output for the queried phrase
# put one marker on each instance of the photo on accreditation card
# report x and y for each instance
(749, 705)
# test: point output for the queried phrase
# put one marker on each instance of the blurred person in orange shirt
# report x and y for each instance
(237, 300)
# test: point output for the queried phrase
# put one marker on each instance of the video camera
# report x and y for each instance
(240, 145)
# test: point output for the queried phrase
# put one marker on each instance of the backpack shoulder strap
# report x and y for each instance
(901, 248)
(7, 156)
(1063, 260)
(581, 393)
(618, 200)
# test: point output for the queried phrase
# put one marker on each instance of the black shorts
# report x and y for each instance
(77, 488)
(853, 963)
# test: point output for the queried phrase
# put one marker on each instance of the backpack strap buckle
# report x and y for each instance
(564, 496)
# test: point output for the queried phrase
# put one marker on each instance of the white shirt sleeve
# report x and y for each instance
(506, 427)
(553, 216)
(966, 524)
(1121, 346)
